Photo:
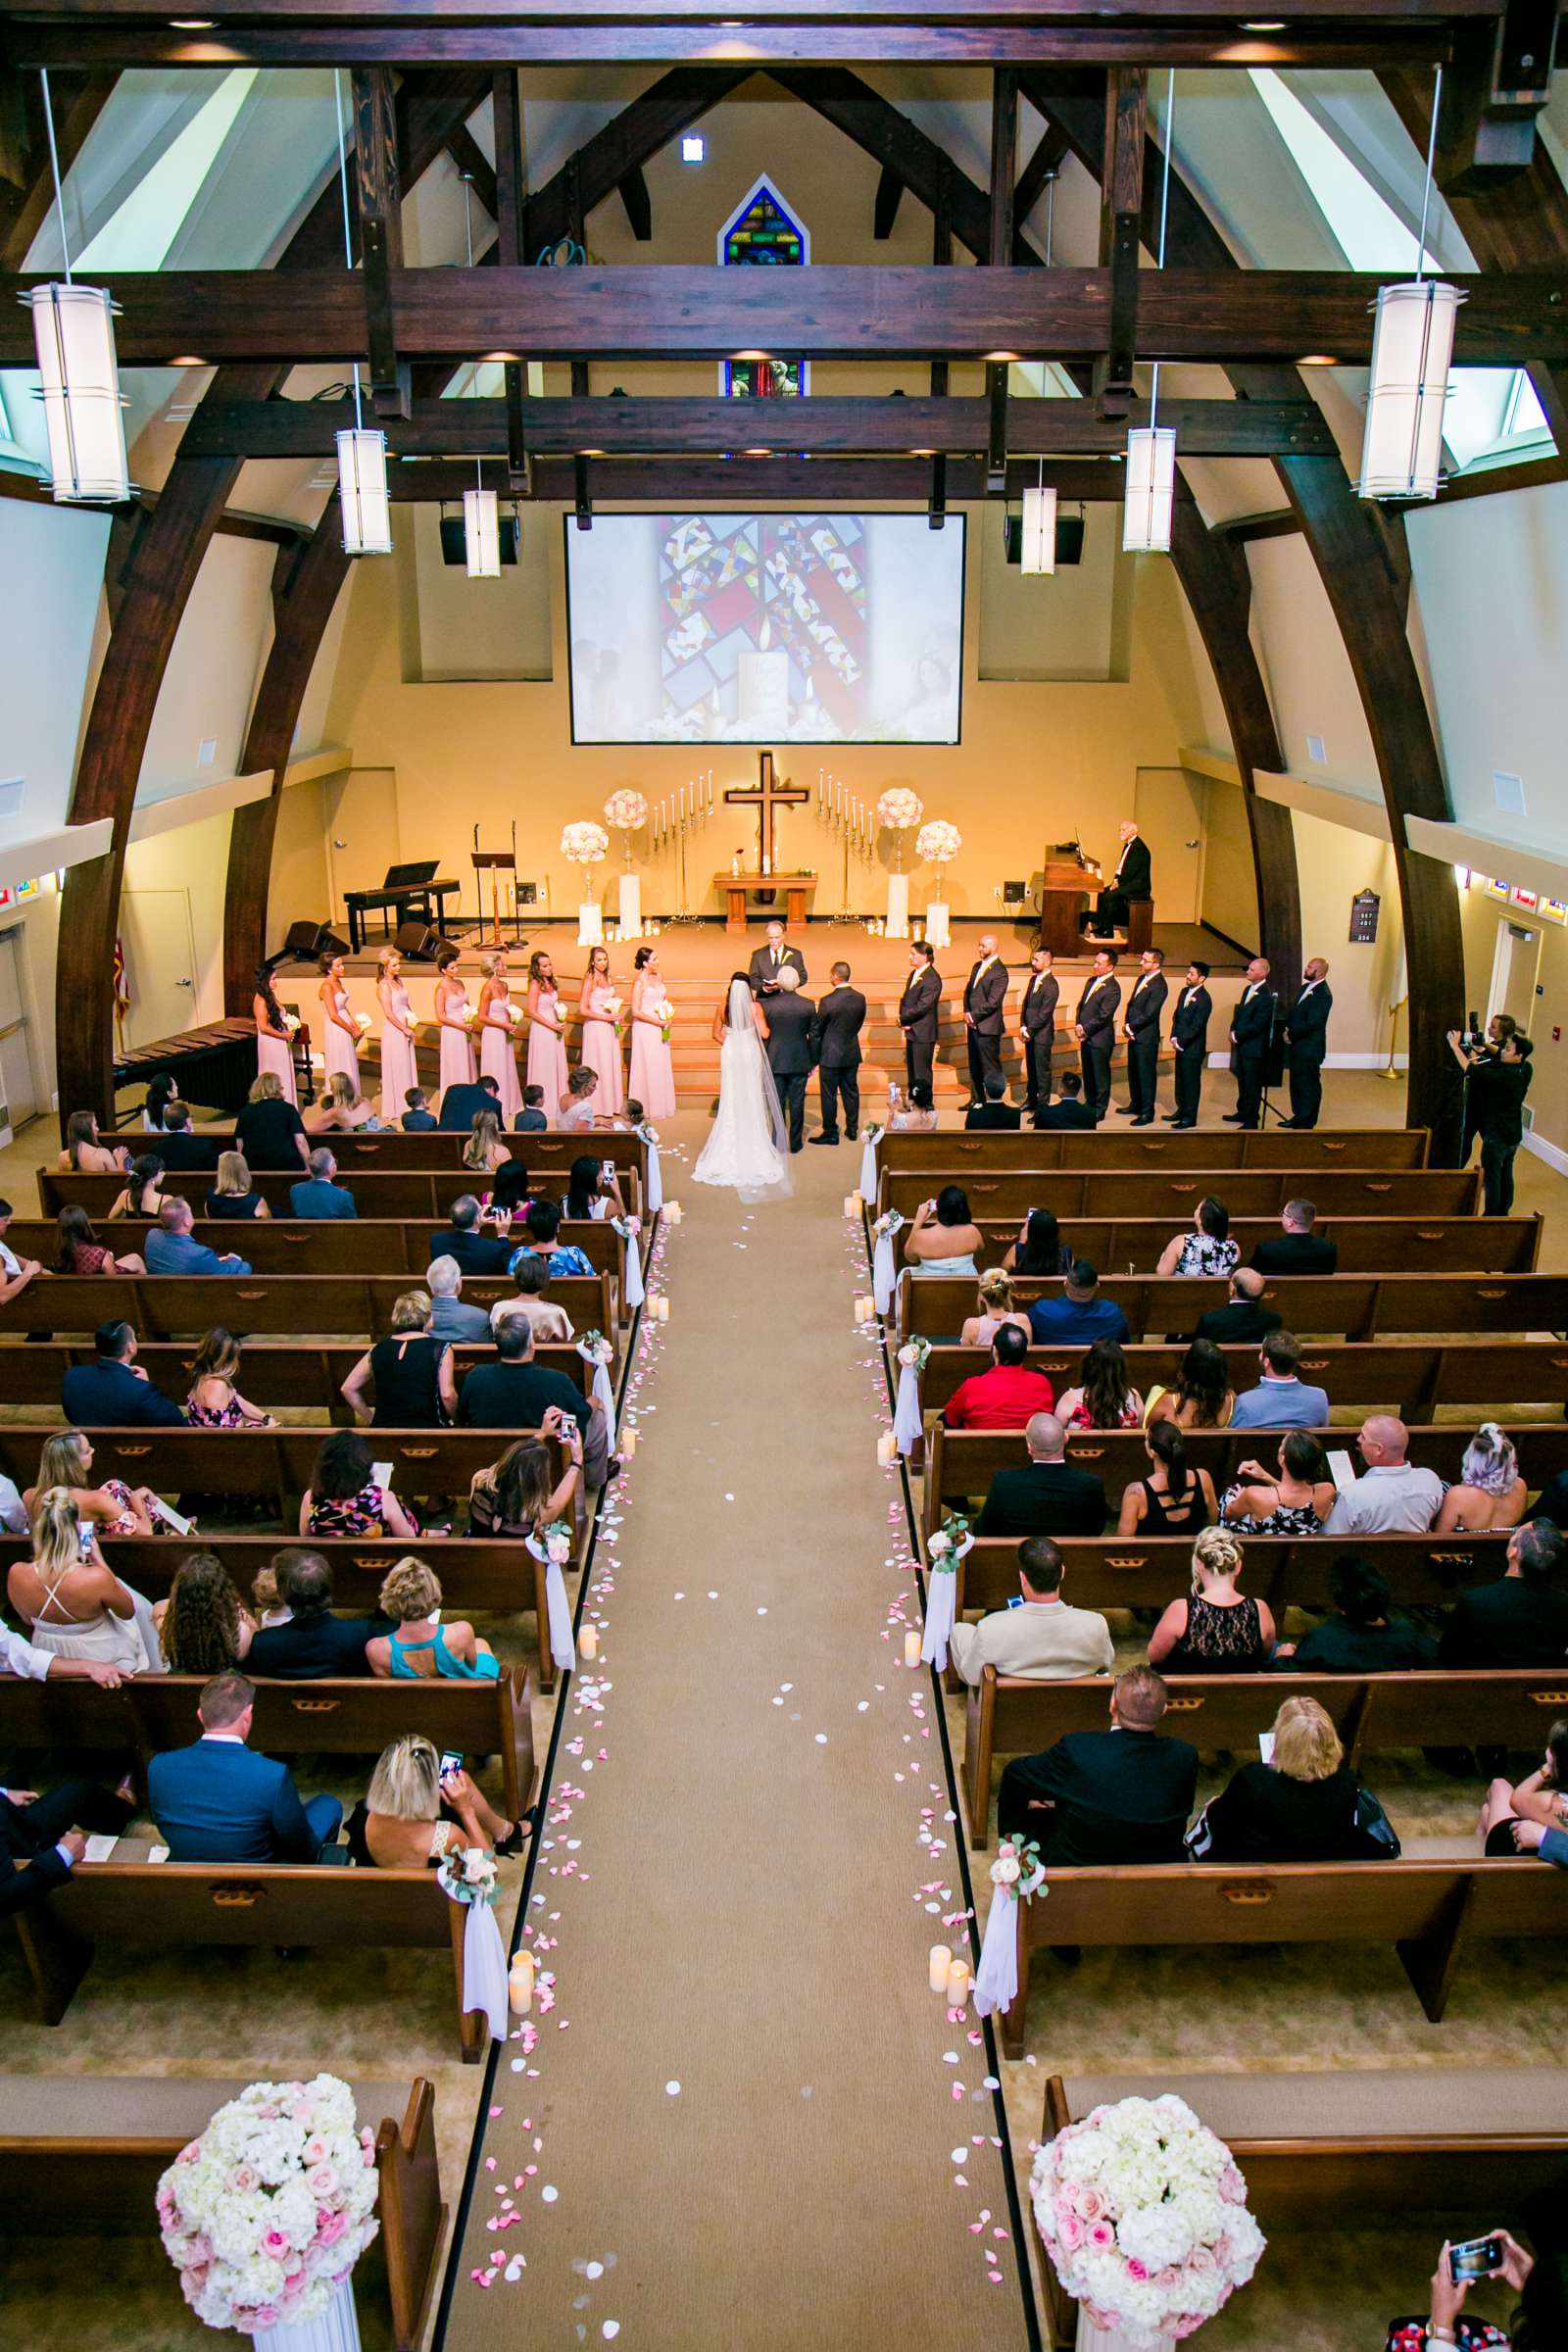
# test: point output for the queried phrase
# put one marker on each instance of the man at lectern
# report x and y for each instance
(1132, 879)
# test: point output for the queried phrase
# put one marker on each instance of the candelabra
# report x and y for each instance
(849, 823)
(673, 820)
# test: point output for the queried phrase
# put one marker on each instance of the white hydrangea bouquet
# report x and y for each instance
(267, 2212)
(898, 809)
(584, 842)
(938, 843)
(1144, 2214)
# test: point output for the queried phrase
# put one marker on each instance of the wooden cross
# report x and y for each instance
(767, 795)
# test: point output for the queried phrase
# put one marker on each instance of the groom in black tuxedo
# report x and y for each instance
(792, 1039)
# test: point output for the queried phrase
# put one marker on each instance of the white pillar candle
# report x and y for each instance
(673, 1211)
(588, 1637)
(886, 1448)
(959, 1978)
(941, 1962)
(664, 1308)
(628, 1443)
(519, 1983)
(912, 1647)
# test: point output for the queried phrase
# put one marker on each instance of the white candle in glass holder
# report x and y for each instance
(887, 1447)
(588, 1640)
(912, 1647)
(959, 1978)
(941, 1963)
(520, 1983)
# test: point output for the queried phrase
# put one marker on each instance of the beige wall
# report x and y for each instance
(1549, 1090)
(1333, 863)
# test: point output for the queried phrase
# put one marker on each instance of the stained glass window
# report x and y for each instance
(764, 235)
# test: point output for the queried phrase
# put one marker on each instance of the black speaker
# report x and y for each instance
(454, 545)
(312, 939)
(1069, 538)
(1014, 894)
(418, 942)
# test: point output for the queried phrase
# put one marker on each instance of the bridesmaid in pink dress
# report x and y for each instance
(275, 1048)
(653, 1071)
(547, 1033)
(601, 1038)
(498, 1051)
(451, 1005)
(341, 1031)
(399, 1070)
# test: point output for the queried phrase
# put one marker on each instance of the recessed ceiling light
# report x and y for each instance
(1262, 24)
(692, 147)
(1318, 359)
(751, 354)
(999, 355)
(188, 358)
(757, 452)
(191, 24)
(590, 452)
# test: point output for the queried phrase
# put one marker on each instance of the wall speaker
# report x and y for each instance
(453, 548)
(1069, 538)
(312, 939)
(418, 942)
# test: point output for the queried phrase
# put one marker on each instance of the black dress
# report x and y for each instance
(233, 1204)
(406, 1376)
(1164, 1516)
(1219, 1640)
(1264, 1816)
(265, 1133)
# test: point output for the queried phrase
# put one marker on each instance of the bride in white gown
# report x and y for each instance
(748, 1147)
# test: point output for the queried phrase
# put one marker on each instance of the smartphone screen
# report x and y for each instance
(1476, 2257)
(1015, 1600)
(451, 1762)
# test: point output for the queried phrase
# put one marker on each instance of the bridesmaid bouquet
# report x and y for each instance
(291, 1022)
(363, 1023)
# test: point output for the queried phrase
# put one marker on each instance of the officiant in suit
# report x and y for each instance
(1096, 1030)
(770, 962)
(1037, 1029)
(841, 1016)
(1189, 1035)
(792, 1039)
(985, 993)
(1132, 879)
(920, 1012)
(1306, 1043)
(1140, 1022)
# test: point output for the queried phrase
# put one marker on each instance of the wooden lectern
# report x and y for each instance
(499, 863)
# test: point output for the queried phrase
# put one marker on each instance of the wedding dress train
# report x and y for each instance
(748, 1147)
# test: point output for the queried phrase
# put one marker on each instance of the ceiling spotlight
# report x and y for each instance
(1262, 24)
(191, 24)
(692, 147)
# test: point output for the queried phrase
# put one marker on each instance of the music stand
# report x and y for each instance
(498, 862)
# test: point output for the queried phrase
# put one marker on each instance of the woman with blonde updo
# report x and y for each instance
(1216, 1630)
(423, 1646)
(997, 1306)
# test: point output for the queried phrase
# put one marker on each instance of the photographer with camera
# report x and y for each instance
(1498, 1079)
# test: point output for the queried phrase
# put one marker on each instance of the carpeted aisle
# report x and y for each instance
(744, 2107)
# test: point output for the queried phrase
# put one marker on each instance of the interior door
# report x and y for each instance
(1168, 806)
(18, 1085)
(362, 831)
(1513, 973)
(160, 945)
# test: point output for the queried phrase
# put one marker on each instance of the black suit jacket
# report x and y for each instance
(1509, 1623)
(1096, 1010)
(1120, 1797)
(921, 1005)
(1254, 1018)
(1296, 1254)
(1234, 1325)
(1134, 869)
(459, 1104)
(1067, 1112)
(1146, 1002)
(792, 1034)
(177, 1148)
(763, 973)
(1042, 992)
(984, 995)
(1044, 1499)
(475, 1253)
(1307, 1025)
(993, 1115)
(25, 1872)
(842, 1015)
(313, 1650)
(1189, 1027)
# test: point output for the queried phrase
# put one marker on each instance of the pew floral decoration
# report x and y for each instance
(468, 1876)
(595, 1351)
(553, 1547)
(906, 1407)
(944, 1551)
(654, 1185)
(1143, 2211)
(1017, 1876)
(628, 1229)
(267, 2212)
(870, 1137)
(882, 1269)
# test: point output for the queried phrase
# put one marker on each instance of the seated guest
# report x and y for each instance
(999, 1310)
(1041, 1638)
(1490, 1493)
(1070, 1109)
(341, 1108)
(214, 1402)
(1392, 1498)
(317, 1194)
(82, 1252)
(1045, 1496)
(532, 1119)
(417, 1117)
(474, 1252)
(413, 1815)
(515, 1392)
(1521, 1619)
(314, 1645)
(913, 1113)
(1294, 1501)
(14, 1272)
(216, 1801)
(40, 1837)
(1297, 1249)
(520, 1494)
(161, 1092)
(1104, 1398)
(111, 1509)
(202, 1627)
(484, 1152)
(450, 1319)
(1542, 1797)
(1099, 1797)
(591, 1194)
(1172, 1498)
(85, 1153)
(419, 1646)
(459, 1104)
(143, 1194)
(69, 1601)
(179, 1146)
(1300, 1806)
(1038, 1249)
(996, 1111)
(1359, 1636)
(509, 1194)
(1243, 1318)
(235, 1195)
(943, 1238)
(115, 1392)
(13, 1511)
(344, 1499)
(1207, 1250)
(1078, 1315)
(1202, 1398)
(552, 1325)
(269, 1130)
(405, 1381)
(1215, 1630)
(541, 1239)
(1281, 1399)
(575, 1109)
(173, 1248)
(1005, 1397)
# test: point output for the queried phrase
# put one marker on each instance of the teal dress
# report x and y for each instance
(485, 1669)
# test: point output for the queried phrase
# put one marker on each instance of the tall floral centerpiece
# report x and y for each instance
(583, 843)
(1144, 2214)
(266, 2214)
(626, 813)
(899, 812)
(938, 843)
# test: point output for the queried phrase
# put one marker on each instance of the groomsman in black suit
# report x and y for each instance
(1037, 1029)
(1189, 1034)
(792, 1039)
(985, 993)
(767, 963)
(1306, 1043)
(1132, 879)
(840, 1015)
(1096, 1030)
(1250, 1031)
(920, 1012)
(1141, 1022)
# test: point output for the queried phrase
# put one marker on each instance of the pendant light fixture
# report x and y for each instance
(1412, 348)
(1149, 492)
(73, 334)
(361, 486)
(1037, 551)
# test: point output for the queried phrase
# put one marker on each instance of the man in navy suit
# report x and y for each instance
(216, 1801)
(459, 1104)
(1307, 1027)
(985, 993)
(112, 1393)
(474, 1252)
(1141, 1026)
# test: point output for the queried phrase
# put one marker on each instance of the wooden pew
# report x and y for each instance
(480, 1575)
(962, 1462)
(397, 1148)
(1366, 1244)
(275, 1372)
(1114, 1146)
(412, 1194)
(1256, 1192)
(63, 2175)
(1429, 1910)
(1362, 1307)
(1008, 1715)
(238, 1904)
(357, 1716)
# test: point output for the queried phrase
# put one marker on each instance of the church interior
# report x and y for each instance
(988, 580)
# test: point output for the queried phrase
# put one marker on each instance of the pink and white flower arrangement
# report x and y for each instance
(898, 809)
(626, 811)
(584, 842)
(939, 842)
(1143, 2211)
(267, 2212)
(468, 1874)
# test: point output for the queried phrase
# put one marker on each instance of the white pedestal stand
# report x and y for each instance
(937, 934)
(336, 2331)
(631, 906)
(898, 905)
(1100, 2340)
(590, 925)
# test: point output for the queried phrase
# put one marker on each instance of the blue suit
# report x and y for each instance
(183, 1253)
(108, 1395)
(1281, 1404)
(317, 1196)
(217, 1801)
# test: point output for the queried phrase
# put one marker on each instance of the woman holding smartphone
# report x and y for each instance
(1537, 2321)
